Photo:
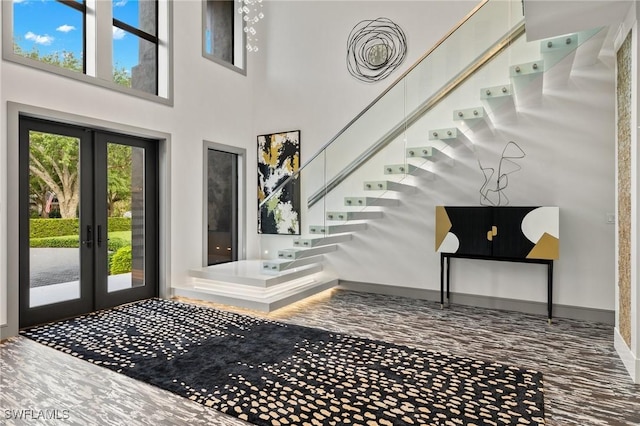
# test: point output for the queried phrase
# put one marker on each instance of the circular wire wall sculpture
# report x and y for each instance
(375, 49)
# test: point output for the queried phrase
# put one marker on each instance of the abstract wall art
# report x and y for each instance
(492, 191)
(375, 48)
(278, 204)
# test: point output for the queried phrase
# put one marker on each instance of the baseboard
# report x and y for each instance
(525, 306)
(5, 332)
(631, 363)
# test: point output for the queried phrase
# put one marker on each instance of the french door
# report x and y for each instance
(88, 220)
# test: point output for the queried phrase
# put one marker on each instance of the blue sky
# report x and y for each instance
(52, 27)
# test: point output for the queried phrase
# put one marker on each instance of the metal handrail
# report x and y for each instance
(364, 111)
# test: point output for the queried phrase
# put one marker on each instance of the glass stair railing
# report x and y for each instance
(418, 129)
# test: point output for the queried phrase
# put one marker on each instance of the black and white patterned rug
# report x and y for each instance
(272, 373)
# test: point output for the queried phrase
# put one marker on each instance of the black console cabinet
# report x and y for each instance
(513, 234)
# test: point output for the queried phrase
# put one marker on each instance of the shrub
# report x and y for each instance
(119, 224)
(66, 241)
(116, 243)
(42, 228)
(121, 261)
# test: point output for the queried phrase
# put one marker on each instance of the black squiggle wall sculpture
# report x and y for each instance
(507, 166)
(375, 49)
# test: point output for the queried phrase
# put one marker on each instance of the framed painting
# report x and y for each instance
(278, 162)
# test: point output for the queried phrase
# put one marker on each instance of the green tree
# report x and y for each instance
(62, 59)
(118, 174)
(38, 194)
(121, 76)
(54, 160)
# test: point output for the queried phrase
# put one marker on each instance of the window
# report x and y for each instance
(224, 203)
(135, 44)
(120, 44)
(223, 35)
(52, 32)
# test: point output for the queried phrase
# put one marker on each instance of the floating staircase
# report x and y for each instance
(298, 272)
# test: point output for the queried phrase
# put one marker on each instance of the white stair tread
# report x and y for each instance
(299, 253)
(337, 229)
(387, 185)
(410, 169)
(320, 241)
(443, 134)
(556, 49)
(495, 92)
(370, 201)
(428, 152)
(470, 114)
(280, 265)
(527, 69)
(362, 215)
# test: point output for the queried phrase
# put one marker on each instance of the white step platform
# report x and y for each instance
(244, 284)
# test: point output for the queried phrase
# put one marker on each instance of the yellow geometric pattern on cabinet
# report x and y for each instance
(443, 225)
(547, 247)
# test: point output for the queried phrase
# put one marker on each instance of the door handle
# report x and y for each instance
(89, 241)
(492, 233)
(99, 235)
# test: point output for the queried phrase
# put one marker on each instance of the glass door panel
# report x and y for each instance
(127, 211)
(55, 222)
(54, 183)
(222, 211)
(125, 216)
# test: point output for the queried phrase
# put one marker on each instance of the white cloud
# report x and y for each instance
(39, 39)
(120, 3)
(118, 34)
(19, 1)
(65, 28)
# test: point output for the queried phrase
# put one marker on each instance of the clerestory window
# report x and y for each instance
(223, 33)
(121, 44)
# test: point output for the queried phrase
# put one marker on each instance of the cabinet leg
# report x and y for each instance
(441, 281)
(550, 290)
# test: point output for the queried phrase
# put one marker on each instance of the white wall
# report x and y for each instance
(569, 141)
